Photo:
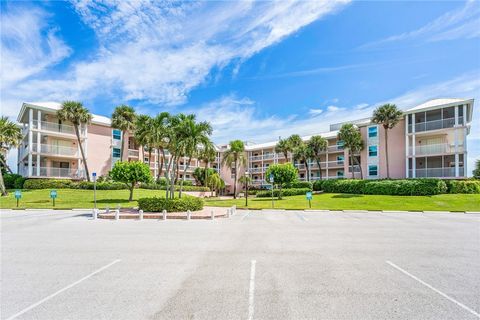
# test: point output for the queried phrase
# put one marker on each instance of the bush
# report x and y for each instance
(19, 182)
(100, 185)
(463, 186)
(405, 187)
(48, 184)
(156, 186)
(298, 184)
(9, 180)
(187, 183)
(161, 181)
(171, 205)
(285, 192)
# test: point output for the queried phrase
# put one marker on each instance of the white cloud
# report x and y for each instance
(462, 23)
(315, 112)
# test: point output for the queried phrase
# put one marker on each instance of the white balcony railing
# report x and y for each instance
(59, 172)
(55, 127)
(435, 124)
(436, 172)
(52, 149)
(439, 148)
(133, 153)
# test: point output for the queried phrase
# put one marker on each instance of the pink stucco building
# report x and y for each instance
(430, 141)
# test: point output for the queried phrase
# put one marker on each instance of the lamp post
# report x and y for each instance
(246, 188)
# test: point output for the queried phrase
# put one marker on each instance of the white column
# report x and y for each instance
(465, 150)
(414, 160)
(455, 135)
(39, 141)
(30, 142)
(406, 146)
(456, 115)
(464, 114)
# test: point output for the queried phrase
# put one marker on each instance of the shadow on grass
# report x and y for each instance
(347, 195)
(112, 201)
(266, 199)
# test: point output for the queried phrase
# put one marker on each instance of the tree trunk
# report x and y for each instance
(319, 169)
(4, 163)
(131, 191)
(206, 174)
(167, 177)
(159, 173)
(81, 151)
(360, 168)
(308, 169)
(386, 152)
(149, 157)
(3, 190)
(123, 145)
(286, 156)
(183, 176)
(351, 164)
(235, 182)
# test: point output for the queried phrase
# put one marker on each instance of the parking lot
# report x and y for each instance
(254, 265)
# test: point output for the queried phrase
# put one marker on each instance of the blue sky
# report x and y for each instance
(255, 70)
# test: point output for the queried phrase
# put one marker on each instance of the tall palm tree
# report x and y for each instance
(388, 116)
(235, 155)
(10, 136)
(352, 140)
(283, 146)
(318, 145)
(357, 146)
(123, 118)
(160, 135)
(194, 135)
(78, 115)
(143, 134)
(207, 154)
(303, 153)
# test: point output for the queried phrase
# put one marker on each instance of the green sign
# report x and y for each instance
(309, 195)
(18, 194)
(53, 194)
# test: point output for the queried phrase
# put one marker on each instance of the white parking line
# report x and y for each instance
(301, 216)
(62, 290)
(245, 215)
(251, 291)
(434, 289)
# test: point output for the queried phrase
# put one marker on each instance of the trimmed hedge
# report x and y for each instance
(405, 187)
(298, 184)
(10, 181)
(171, 205)
(68, 184)
(463, 186)
(156, 186)
(100, 185)
(285, 192)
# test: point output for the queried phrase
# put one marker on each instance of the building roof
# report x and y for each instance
(435, 103)
(271, 144)
(55, 106)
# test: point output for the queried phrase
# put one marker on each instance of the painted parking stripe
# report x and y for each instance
(251, 291)
(461, 305)
(301, 216)
(62, 290)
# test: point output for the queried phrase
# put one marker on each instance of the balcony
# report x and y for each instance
(54, 127)
(52, 172)
(51, 149)
(434, 125)
(431, 149)
(335, 148)
(132, 153)
(446, 172)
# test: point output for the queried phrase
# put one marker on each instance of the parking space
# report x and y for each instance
(255, 265)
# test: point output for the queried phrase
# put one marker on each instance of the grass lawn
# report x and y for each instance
(335, 201)
(74, 198)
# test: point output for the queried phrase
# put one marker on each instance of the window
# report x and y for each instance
(340, 174)
(116, 153)
(117, 134)
(373, 170)
(145, 160)
(339, 159)
(372, 151)
(340, 145)
(372, 132)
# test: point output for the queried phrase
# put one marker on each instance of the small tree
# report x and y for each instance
(214, 182)
(10, 136)
(201, 174)
(282, 174)
(131, 173)
(476, 171)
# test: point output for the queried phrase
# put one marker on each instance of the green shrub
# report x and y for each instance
(161, 181)
(298, 184)
(47, 184)
(9, 180)
(405, 187)
(18, 184)
(463, 186)
(100, 185)
(285, 192)
(187, 183)
(171, 205)
(156, 186)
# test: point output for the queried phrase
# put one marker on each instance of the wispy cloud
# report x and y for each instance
(462, 23)
(315, 112)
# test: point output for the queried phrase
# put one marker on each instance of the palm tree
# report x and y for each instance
(193, 135)
(388, 116)
(160, 135)
(283, 147)
(144, 134)
(303, 153)
(10, 136)
(318, 145)
(78, 115)
(352, 140)
(123, 118)
(207, 154)
(357, 146)
(234, 155)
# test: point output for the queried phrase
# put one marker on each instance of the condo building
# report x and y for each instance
(429, 141)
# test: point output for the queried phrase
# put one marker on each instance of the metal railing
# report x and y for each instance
(446, 172)
(438, 148)
(52, 149)
(435, 124)
(59, 172)
(55, 127)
